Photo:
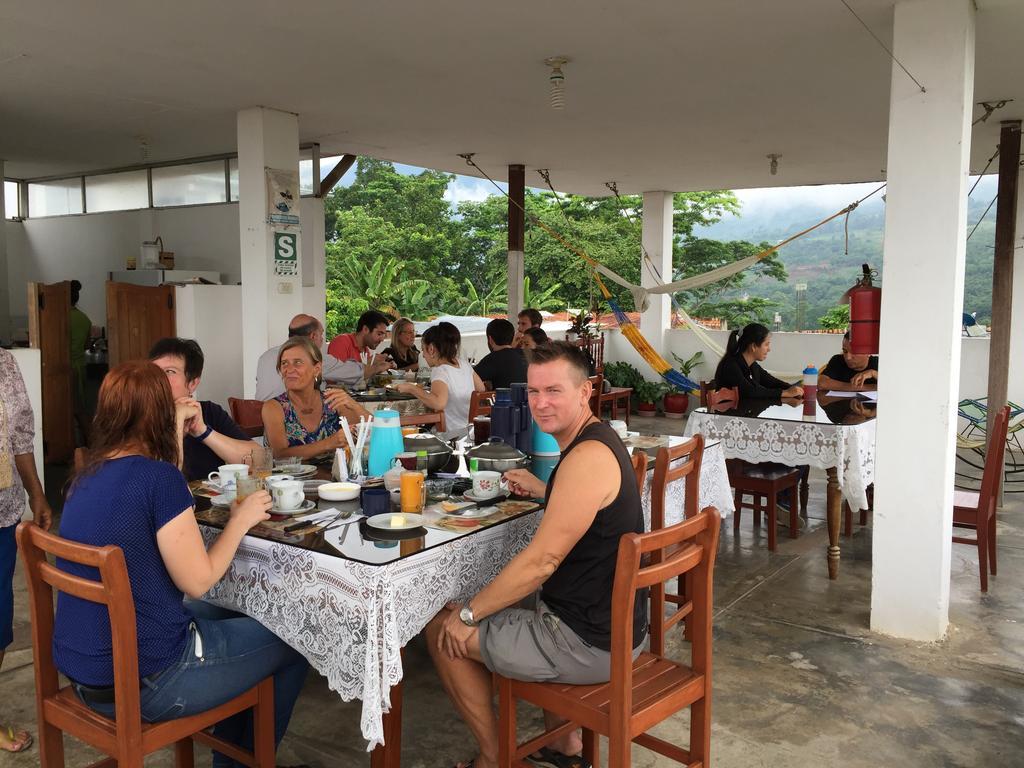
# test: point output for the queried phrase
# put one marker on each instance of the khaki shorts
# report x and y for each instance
(531, 643)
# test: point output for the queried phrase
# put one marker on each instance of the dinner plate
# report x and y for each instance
(472, 513)
(384, 521)
(304, 507)
(302, 470)
(224, 500)
(473, 497)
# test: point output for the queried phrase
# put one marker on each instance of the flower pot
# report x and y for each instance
(647, 409)
(676, 404)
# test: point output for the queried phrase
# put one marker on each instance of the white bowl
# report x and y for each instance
(338, 491)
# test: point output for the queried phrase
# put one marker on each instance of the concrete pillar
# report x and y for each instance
(657, 241)
(5, 280)
(1015, 390)
(314, 258)
(516, 238)
(267, 138)
(922, 296)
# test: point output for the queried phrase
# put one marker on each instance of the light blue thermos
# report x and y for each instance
(385, 441)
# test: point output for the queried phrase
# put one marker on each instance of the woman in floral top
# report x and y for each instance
(303, 421)
(17, 477)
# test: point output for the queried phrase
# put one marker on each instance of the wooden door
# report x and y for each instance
(49, 332)
(137, 315)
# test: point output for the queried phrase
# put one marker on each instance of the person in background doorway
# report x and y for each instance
(349, 373)
(504, 365)
(210, 437)
(848, 372)
(528, 318)
(740, 367)
(371, 328)
(534, 337)
(79, 330)
(17, 477)
(403, 345)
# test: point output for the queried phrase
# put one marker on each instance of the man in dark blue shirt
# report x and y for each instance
(212, 438)
(504, 365)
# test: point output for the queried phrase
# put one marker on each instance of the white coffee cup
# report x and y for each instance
(288, 494)
(488, 484)
(227, 473)
(274, 479)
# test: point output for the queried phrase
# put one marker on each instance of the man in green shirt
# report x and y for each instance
(79, 330)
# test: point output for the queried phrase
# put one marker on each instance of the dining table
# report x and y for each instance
(834, 432)
(349, 599)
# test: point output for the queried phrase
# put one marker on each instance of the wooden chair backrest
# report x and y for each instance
(433, 418)
(992, 475)
(597, 385)
(705, 387)
(246, 413)
(689, 456)
(113, 590)
(689, 547)
(594, 347)
(725, 397)
(639, 461)
(480, 403)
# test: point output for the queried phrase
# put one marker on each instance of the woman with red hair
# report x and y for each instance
(131, 493)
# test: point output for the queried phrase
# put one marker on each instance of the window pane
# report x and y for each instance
(189, 184)
(305, 171)
(233, 173)
(10, 199)
(123, 191)
(55, 198)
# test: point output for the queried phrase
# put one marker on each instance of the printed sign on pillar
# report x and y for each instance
(286, 253)
(282, 196)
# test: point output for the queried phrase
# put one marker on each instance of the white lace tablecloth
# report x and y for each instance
(849, 448)
(350, 620)
(714, 489)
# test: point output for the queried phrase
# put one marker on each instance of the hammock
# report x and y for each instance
(640, 294)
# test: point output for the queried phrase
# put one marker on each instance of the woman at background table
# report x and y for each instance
(303, 421)
(532, 337)
(17, 477)
(740, 367)
(452, 381)
(131, 493)
(403, 345)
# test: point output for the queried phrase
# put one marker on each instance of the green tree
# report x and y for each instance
(836, 318)
(696, 256)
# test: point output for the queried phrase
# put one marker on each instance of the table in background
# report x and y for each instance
(714, 480)
(838, 437)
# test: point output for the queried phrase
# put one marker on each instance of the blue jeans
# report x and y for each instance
(8, 557)
(226, 654)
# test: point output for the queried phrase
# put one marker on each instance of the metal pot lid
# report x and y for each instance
(495, 448)
(426, 442)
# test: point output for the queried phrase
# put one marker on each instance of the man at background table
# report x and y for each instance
(528, 318)
(371, 328)
(504, 365)
(547, 615)
(349, 372)
(848, 372)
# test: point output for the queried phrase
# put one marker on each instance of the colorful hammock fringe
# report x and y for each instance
(660, 365)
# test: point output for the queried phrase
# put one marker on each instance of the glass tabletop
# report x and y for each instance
(825, 409)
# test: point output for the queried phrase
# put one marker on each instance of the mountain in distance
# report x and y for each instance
(822, 260)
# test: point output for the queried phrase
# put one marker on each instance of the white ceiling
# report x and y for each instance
(661, 94)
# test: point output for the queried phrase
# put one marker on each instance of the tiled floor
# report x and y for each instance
(799, 678)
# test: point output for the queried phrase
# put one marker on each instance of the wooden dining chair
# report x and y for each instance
(480, 403)
(430, 419)
(643, 692)
(597, 384)
(722, 399)
(639, 461)
(248, 415)
(977, 509)
(763, 483)
(126, 739)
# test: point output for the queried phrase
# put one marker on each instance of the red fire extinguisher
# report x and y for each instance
(865, 313)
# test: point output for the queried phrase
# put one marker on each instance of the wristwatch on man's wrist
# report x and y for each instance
(466, 614)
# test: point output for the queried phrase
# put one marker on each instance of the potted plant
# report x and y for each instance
(580, 326)
(622, 374)
(647, 394)
(677, 402)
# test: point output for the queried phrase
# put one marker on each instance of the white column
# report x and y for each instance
(1015, 390)
(922, 296)
(267, 138)
(5, 280)
(657, 241)
(314, 258)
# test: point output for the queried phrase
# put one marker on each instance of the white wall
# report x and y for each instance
(791, 352)
(88, 247)
(30, 363)
(212, 315)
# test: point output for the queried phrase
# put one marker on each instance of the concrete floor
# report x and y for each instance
(799, 678)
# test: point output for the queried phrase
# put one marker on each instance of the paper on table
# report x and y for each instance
(870, 395)
(837, 393)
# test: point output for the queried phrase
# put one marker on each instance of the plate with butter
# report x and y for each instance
(396, 521)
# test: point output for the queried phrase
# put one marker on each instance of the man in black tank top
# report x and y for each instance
(565, 574)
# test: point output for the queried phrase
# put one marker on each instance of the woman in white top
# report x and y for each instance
(452, 381)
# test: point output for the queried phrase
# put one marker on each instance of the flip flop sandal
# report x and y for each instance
(12, 740)
(546, 757)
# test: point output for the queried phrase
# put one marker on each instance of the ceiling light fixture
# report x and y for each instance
(557, 80)
(774, 167)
